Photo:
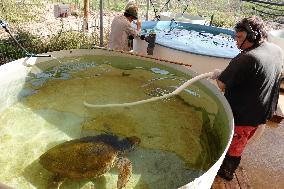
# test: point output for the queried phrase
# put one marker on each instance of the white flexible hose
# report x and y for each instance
(175, 92)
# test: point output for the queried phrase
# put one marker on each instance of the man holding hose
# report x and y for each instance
(251, 85)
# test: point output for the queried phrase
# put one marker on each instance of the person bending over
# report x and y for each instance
(121, 29)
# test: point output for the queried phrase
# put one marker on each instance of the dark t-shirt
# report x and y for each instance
(252, 81)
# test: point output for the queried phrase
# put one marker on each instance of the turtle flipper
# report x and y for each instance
(55, 182)
(125, 169)
(100, 182)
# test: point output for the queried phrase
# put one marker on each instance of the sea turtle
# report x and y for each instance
(89, 157)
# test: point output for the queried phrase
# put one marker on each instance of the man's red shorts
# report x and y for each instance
(240, 139)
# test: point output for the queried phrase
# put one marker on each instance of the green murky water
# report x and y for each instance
(181, 137)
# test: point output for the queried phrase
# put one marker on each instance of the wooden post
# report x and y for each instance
(101, 24)
(147, 13)
(86, 15)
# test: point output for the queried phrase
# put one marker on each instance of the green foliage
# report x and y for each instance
(76, 13)
(118, 7)
(257, 9)
(31, 42)
(14, 12)
(224, 20)
(68, 40)
(10, 51)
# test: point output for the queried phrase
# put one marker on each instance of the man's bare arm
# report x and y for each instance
(221, 85)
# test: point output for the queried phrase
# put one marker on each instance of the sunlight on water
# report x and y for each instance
(176, 134)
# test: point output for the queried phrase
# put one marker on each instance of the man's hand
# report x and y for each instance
(138, 23)
(216, 74)
(221, 85)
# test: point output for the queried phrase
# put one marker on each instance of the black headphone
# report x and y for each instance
(252, 35)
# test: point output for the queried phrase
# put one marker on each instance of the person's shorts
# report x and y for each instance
(240, 139)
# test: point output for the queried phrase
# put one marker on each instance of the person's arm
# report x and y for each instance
(132, 31)
(221, 85)
(138, 23)
(215, 75)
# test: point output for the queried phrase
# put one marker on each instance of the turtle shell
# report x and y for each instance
(79, 159)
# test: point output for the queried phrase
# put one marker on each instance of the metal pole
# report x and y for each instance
(101, 24)
(147, 13)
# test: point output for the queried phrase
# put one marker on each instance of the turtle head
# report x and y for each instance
(129, 143)
(133, 140)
